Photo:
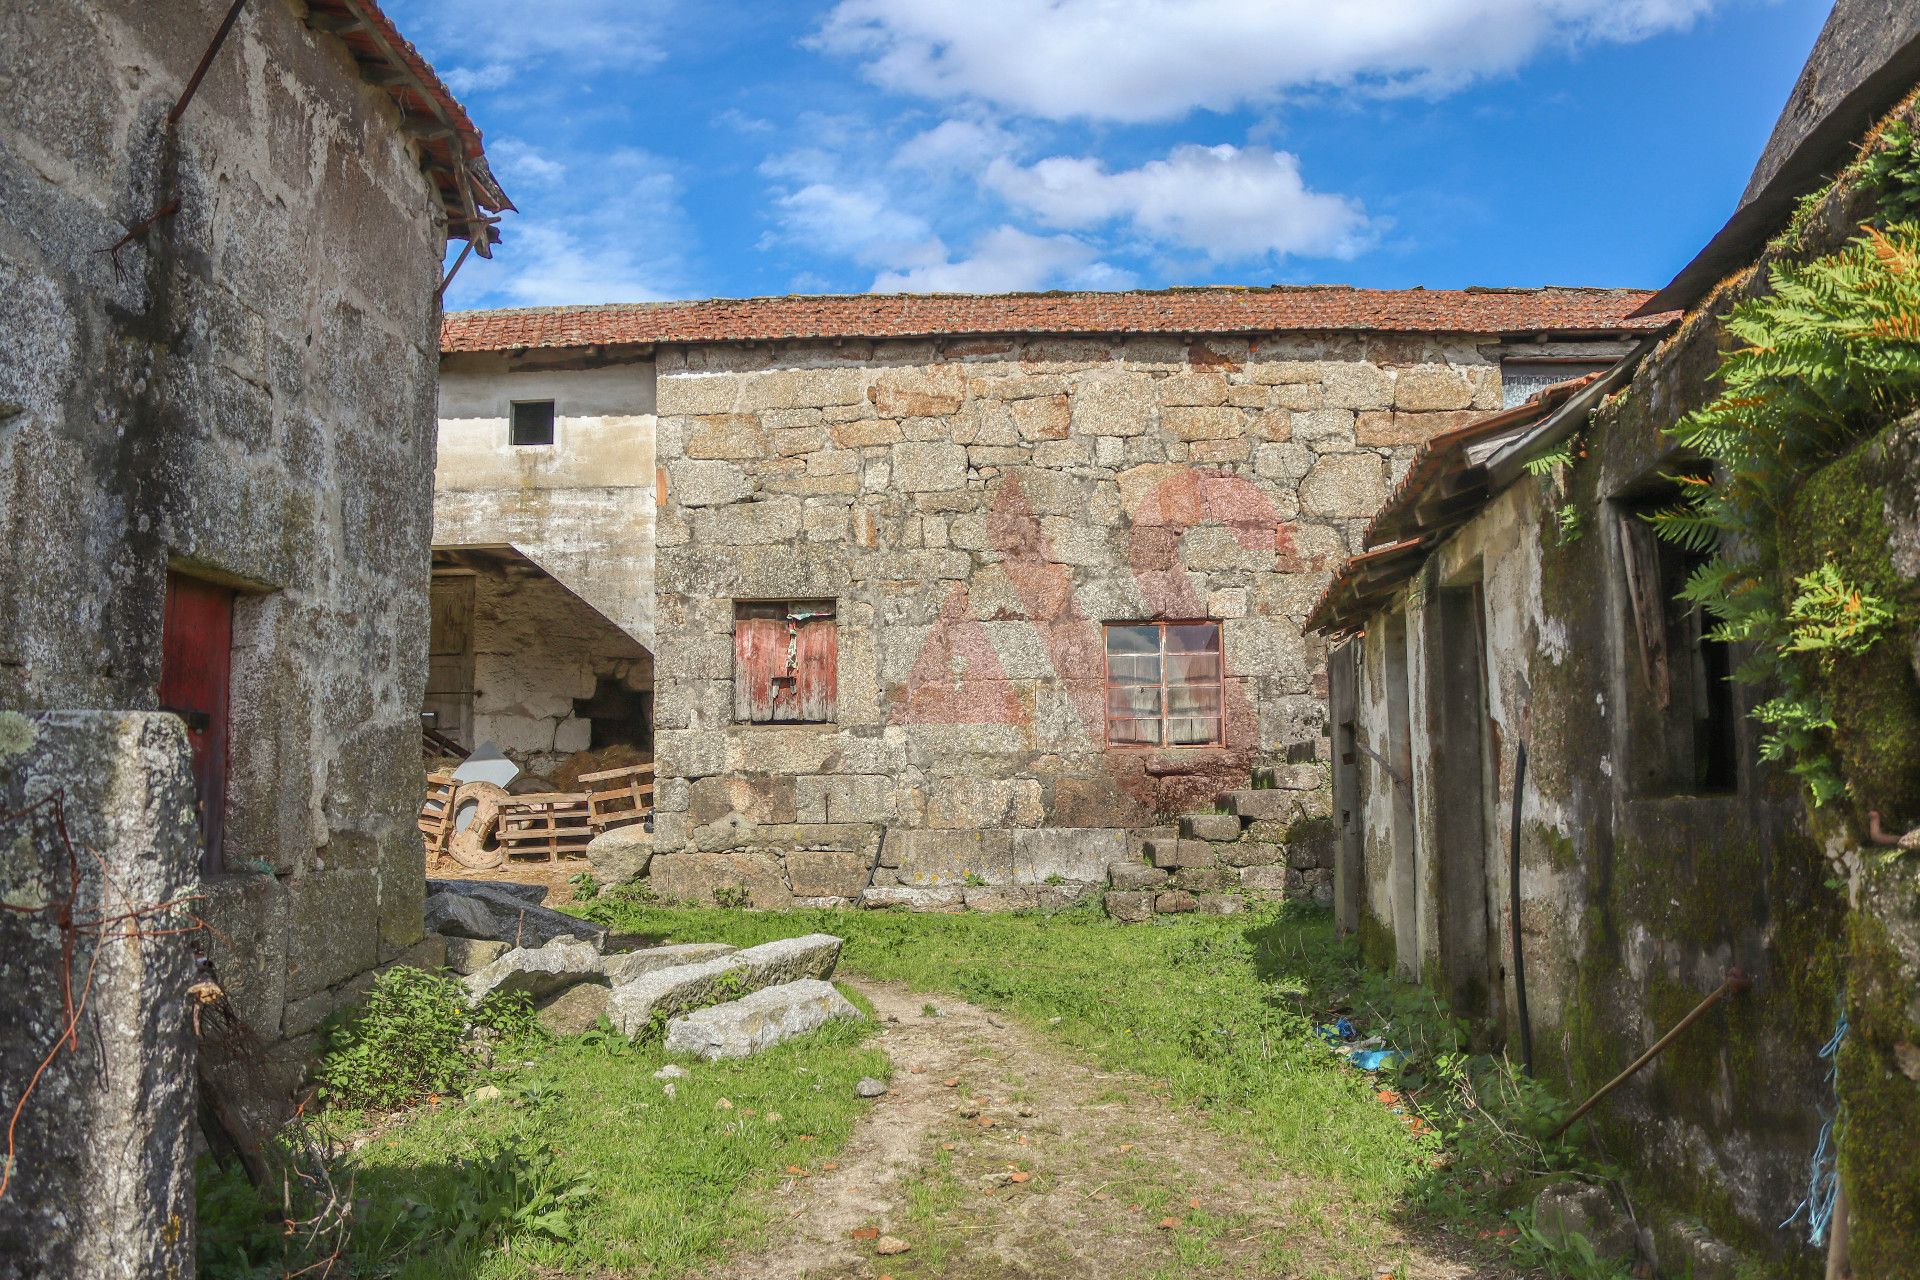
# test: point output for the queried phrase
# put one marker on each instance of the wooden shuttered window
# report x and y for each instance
(786, 661)
(1164, 684)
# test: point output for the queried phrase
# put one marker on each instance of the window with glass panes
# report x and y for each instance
(1163, 684)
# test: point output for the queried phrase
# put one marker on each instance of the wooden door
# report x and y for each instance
(196, 669)
(450, 656)
(786, 664)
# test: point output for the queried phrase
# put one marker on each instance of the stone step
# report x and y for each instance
(683, 987)
(1218, 827)
(1169, 855)
(758, 1021)
(1263, 805)
(1292, 777)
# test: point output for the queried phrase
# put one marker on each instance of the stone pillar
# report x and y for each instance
(102, 1177)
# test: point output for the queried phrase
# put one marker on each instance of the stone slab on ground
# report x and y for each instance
(1130, 908)
(1174, 901)
(471, 955)
(671, 991)
(573, 1010)
(535, 970)
(689, 986)
(1220, 904)
(811, 955)
(758, 1021)
(620, 854)
(912, 899)
(624, 968)
(519, 921)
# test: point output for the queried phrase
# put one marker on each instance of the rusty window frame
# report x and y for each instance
(1164, 719)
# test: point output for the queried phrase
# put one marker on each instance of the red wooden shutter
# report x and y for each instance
(759, 652)
(196, 666)
(816, 670)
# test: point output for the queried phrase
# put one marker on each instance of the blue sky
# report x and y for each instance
(701, 148)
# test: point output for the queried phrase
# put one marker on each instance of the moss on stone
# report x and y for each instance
(1880, 1110)
(1839, 517)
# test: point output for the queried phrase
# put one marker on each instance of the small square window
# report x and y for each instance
(785, 662)
(532, 422)
(1164, 684)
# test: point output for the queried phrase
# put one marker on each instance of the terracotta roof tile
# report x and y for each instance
(1218, 311)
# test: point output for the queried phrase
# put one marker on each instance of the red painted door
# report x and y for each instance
(196, 665)
(785, 664)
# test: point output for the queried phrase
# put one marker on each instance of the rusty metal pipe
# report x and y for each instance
(1736, 982)
(206, 60)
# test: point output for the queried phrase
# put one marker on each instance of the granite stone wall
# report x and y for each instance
(244, 392)
(976, 510)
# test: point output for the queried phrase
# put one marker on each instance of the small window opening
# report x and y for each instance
(785, 662)
(1687, 734)
(532, 422)
(1521, 380)
(1164, 684)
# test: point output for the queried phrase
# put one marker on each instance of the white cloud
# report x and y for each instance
(955, 146)
(1140, 60)
(861, 224)
(606, 232)
(519, 164)
(1008, 259)
(1231, 204)
(488, 44)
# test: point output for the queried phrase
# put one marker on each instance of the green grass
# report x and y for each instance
(1219, 1010)
(672, 1180)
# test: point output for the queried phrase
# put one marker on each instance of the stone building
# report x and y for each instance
(218, 315)
(1497, 615)
(951, 594)
(542, 634)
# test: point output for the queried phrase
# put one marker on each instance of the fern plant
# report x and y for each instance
(1831, 353)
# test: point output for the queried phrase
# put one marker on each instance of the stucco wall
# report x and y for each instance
(582, 508)
(244, 392)
(976, 509)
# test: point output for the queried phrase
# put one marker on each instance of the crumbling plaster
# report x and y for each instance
(582, 508)
(244, 392)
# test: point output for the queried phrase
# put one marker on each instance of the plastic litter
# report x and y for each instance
(1376, 1059)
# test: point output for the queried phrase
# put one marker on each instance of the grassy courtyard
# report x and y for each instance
(1193, 1035)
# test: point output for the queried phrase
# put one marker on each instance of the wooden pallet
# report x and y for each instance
(545, 825)
(617, 796)
(436, 816)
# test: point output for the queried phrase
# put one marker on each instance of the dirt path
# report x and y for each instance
(995, 1156)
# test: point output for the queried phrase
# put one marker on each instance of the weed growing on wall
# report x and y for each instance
(1831, 354)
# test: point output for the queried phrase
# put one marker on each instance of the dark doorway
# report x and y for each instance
(1404, 878)
(196, 672)
(1457, 711)
(1343, 680)
(619, 716)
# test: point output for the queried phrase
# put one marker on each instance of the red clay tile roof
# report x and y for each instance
(1254, 310)
(1442, 489)
(454, 158)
